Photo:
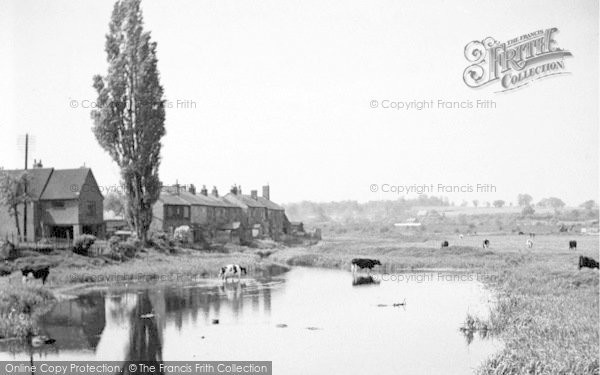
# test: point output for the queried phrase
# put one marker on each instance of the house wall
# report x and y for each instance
(91, 195)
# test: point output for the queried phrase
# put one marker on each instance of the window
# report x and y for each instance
(58, 204)
(170, 212)
(178, 212)
(91, 209)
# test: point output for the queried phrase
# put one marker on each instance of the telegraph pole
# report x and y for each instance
(25, 189)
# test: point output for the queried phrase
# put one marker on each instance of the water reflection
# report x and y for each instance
(175, 323)
(364, 280)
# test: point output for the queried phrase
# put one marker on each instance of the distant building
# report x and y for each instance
(234, 215)
(65, 203)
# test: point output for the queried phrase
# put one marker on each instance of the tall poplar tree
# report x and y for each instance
(130, 115)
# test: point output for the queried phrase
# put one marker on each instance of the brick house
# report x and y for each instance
(262, 216)
(169, 212)
(275, 214)
(65, 203)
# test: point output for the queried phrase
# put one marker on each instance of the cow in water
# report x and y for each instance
(232, 270)
(572, 245)
(363, 263)
(444, 244)
(486, 243)
(587, 262)
(529, 244)
(35, 273)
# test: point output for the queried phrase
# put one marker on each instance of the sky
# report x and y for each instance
(281, 92)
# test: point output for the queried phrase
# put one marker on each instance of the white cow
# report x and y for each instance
(529, 244)
(232, 270)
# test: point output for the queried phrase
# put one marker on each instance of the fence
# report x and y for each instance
(47, 245)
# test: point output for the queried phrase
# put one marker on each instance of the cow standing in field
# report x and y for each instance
(444, 244)
(572, 245)
(486, 243)
(531, 235)
(529, 244)
(363, 263)
(587, 262)
(232, 270)
(35, 273)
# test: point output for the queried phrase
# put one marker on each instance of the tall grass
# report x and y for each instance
(20, 306)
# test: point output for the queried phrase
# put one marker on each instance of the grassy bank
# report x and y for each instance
(20, 306)
(547, 310)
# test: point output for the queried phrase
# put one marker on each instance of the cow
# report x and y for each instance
(232, 270)
(486, 243)
(529, 244)
(587, 262)
(460, 236)
(444, 244)
(364, 263)
(572, 245)
(531, 235)
(521, 233)
(29, 272)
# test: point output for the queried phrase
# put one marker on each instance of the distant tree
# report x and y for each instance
(13, 193)
(475, 203)
(115, 202)
(524, 200)
(528, 211)
(464, 204)
(487, 204)
(588, 205)
(499, 203)
(130, 114)
(551, 202)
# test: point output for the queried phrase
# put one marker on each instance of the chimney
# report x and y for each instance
(215, 192)
(254, 194)
(203, 191)
(240, 189)
(177, 187)
(266, 194)
(37, 163)
(234, 190)
(192, 189)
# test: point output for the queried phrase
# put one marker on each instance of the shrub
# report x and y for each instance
(182, 234)
(82, 244)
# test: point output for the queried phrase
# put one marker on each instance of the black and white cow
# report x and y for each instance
(232, 270)
(587, 262)
(572, 245)
(444, 244)
(486, 243)
(364, 263)
(529, 244)
(35, 273)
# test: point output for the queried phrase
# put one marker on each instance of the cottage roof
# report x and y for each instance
(245, 200)
(50, 183)
(66, 183)
(270, 204)
(38, 180)
(172, 199)
(197, 199)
